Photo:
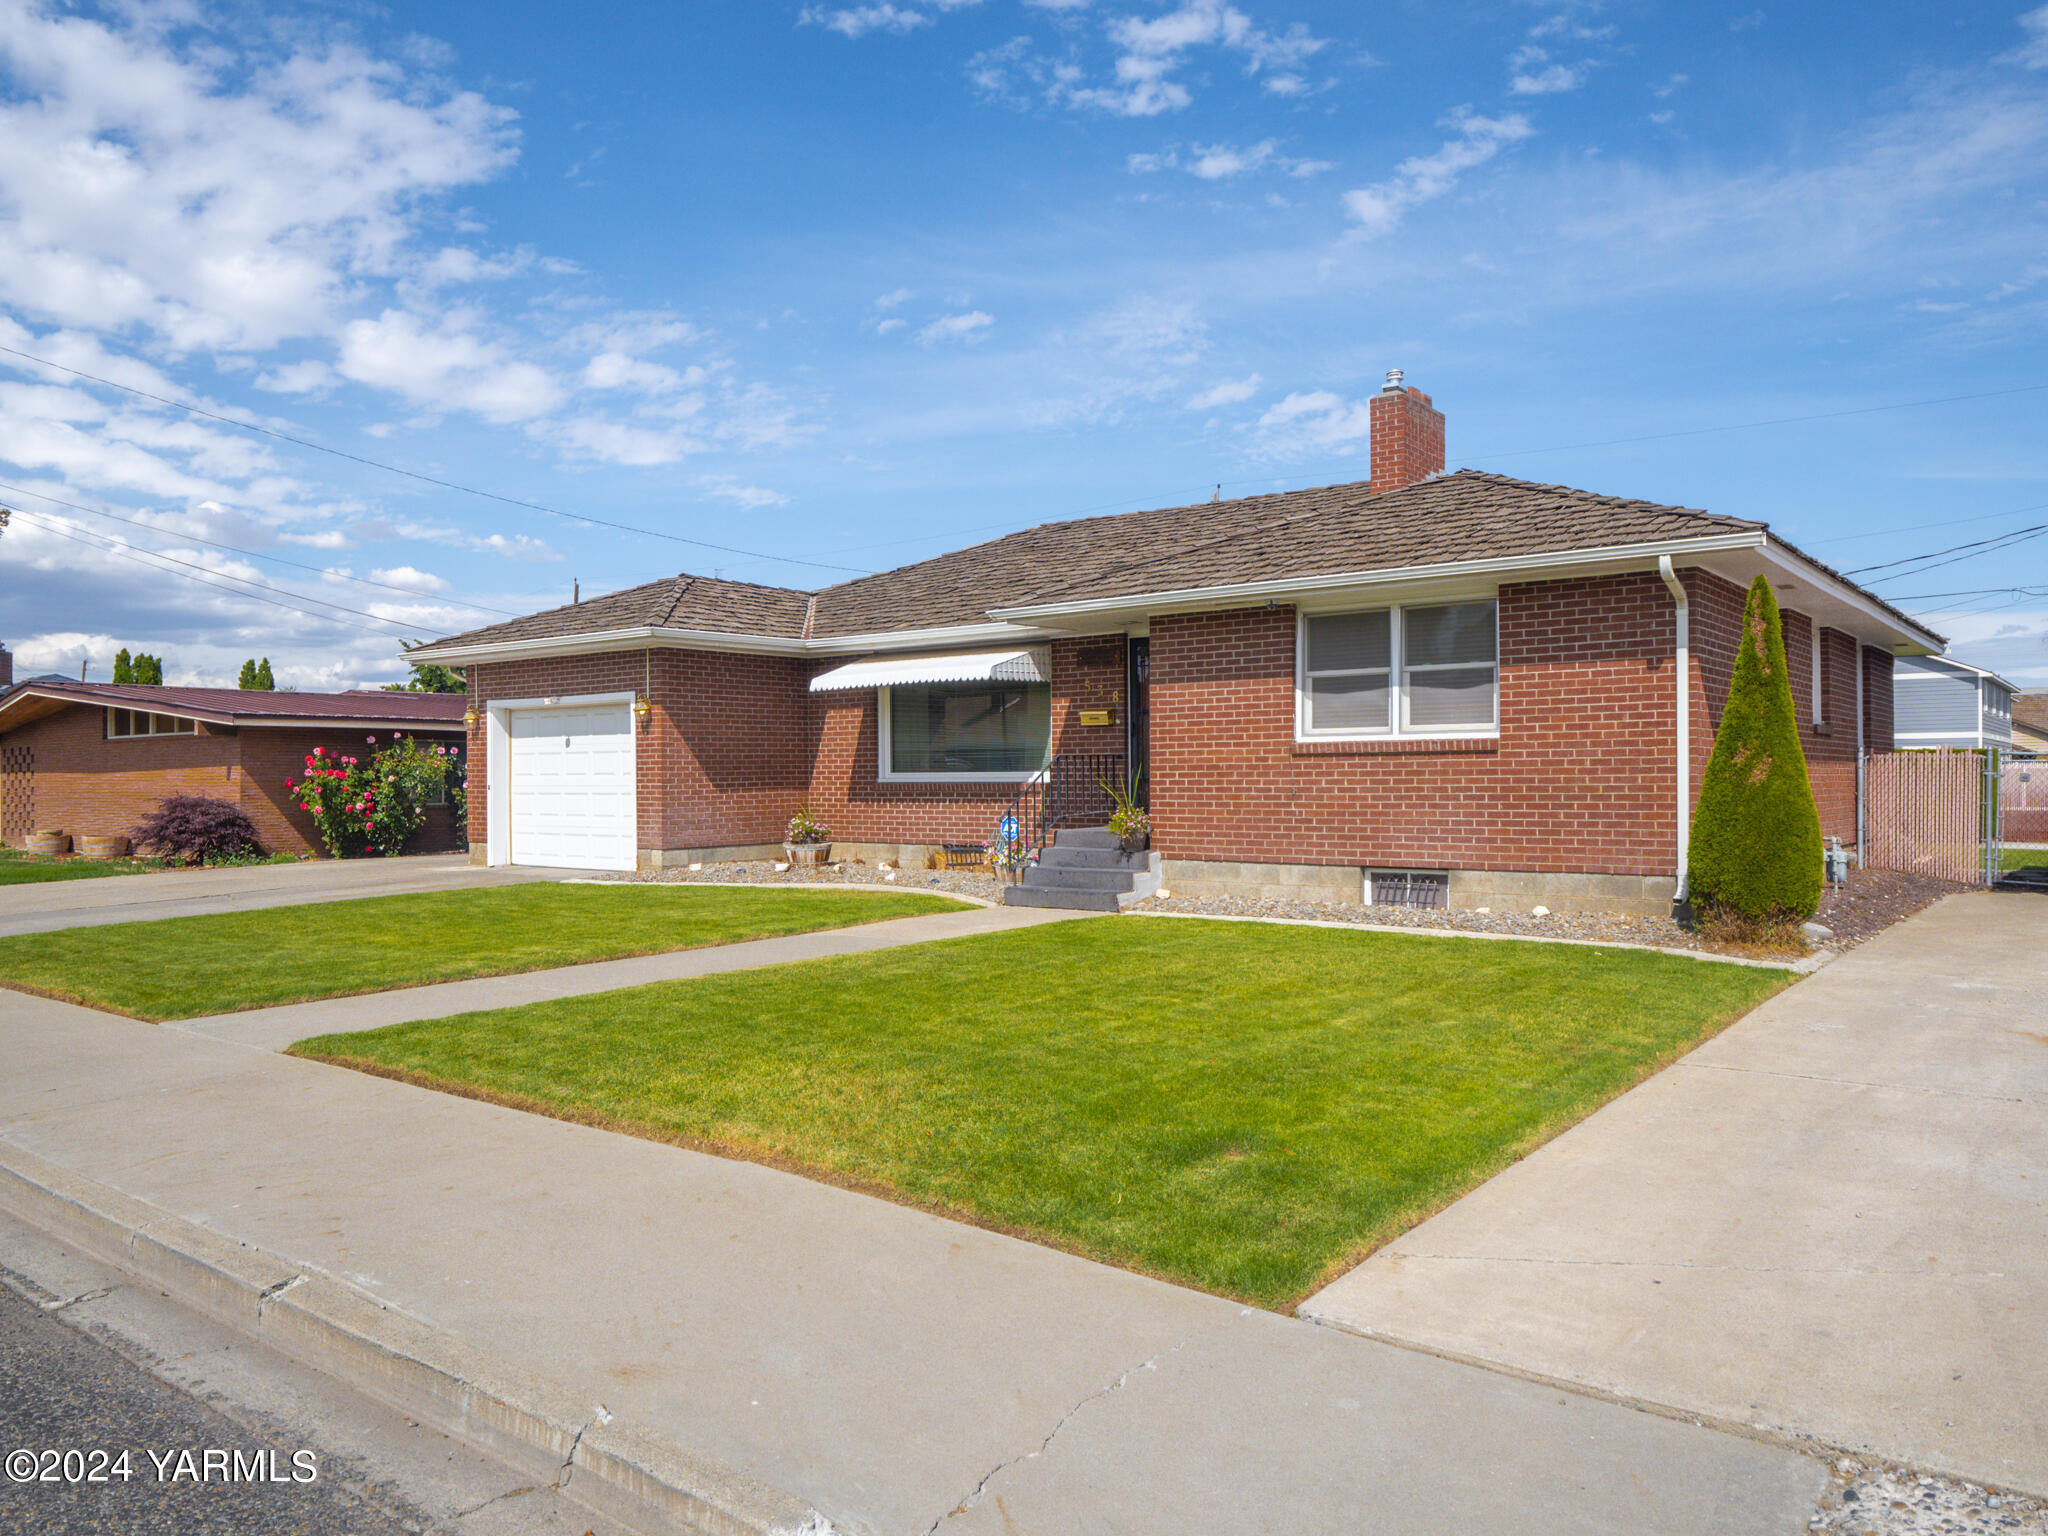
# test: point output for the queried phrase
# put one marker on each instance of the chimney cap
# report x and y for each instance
(1394, 377)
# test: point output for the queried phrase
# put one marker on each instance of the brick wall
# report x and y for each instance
(1877, 700)
(1578, 780)
(1087, 673)
(85, 783)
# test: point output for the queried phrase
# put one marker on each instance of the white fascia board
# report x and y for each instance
(1621, 555)
(644, 636)
(1846, 592)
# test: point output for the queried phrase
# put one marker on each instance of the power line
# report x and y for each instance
(412, 474)
(130, 552)
(2021, 591)
(2016, 533)
(1946, 522)
(236, 549)
(1970, 553)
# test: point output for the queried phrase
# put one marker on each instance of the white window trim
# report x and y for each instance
(885, 774)
(1818, 717)
(131, 711)
(1397, 709)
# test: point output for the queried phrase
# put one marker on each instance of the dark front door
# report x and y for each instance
(1139, 715)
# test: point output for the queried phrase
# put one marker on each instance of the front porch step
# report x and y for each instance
(1086, 870)
(1073, 901)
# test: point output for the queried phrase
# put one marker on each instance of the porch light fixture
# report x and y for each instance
(642, 709)
(469, 718)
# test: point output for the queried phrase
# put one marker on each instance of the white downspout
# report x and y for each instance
(1682, 614)
(1862, 752)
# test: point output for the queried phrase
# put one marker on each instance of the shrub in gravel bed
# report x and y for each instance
(196, 829)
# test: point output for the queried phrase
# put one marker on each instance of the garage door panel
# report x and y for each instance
(571, 790)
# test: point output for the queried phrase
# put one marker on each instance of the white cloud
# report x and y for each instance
(221, 197)
(1150, 51)
(444, 365)
(971, 326)
(860, 20)
(895, 299)
(1221, 162)
(749, 497)
(412, 577)
(1550, 80)
(1678, 82)
(2033, 53)
(1228, 392)
(1379, 209)
(1314, 421)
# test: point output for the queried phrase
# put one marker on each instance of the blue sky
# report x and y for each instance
(855, 283)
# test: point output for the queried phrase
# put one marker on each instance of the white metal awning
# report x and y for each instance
(1032, 664)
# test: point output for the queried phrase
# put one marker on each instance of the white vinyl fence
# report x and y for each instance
(1925, 814)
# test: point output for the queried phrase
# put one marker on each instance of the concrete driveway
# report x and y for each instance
(188, 892)
(1830, 1222)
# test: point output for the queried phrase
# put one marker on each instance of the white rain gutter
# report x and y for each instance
(1681, 608)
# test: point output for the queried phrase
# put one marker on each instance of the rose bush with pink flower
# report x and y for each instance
(364, 808)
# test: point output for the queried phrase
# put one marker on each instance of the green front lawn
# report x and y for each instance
(186, 967)
(1241, 1107)
(2022, 858)
(18, 868)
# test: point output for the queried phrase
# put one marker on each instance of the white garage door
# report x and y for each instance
(570, 789)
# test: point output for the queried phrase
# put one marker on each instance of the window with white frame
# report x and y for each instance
(143, 722)
(981, 730)
(1820, 697)
(1416, 669)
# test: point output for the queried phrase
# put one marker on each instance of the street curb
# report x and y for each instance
(551, 1431)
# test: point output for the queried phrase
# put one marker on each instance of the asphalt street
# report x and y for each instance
(61, 1390)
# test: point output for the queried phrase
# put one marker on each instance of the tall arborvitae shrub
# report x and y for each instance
(248, 677)
(1756, 846)
(124, 669)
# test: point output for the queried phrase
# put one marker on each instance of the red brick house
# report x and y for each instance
(1449, 687)
(89, 758)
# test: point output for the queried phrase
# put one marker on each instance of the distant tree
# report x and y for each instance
(248, 677)
(124, 668)
(149, 669)
(430, 678)
(264, 680)
(1756, 843)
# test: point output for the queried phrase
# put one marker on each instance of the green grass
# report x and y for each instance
(2023, 858)
(18, 868)
(1240, 1107)
(186, 967)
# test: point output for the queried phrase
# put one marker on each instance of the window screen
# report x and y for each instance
(1449, 672)
(1349, 672)
(969, 728)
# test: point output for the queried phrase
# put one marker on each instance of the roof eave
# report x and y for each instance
(1620, 556)
(641, 636)
(1848, 592)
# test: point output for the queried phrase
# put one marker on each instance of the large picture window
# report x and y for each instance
(1411, 670)
(142, 722)
(965, 730)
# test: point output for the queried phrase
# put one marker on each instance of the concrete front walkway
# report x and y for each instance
(273, 1029)
(54, 904)
(900, 1373)
(1830, 1221)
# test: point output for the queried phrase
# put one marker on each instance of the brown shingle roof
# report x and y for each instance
(673, 602)
(1464, 516)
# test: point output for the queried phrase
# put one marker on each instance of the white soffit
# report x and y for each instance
(1032, 664)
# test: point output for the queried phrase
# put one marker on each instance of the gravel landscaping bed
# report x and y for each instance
(978, 883)
(1877, 1501)
(1875, 899)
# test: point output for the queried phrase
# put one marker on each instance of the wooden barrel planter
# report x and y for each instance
(49, 842)
(808, 853)
(94, 846)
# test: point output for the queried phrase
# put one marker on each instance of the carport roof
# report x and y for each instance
(239, 706)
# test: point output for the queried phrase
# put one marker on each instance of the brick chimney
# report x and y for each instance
(6, 667)
(1407, 436)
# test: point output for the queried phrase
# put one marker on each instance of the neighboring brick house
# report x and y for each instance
(95, 758)
(1468, 683)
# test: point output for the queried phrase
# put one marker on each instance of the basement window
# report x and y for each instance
(1408, 888)
(142, 722)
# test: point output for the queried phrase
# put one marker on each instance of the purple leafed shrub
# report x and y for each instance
(196, 828)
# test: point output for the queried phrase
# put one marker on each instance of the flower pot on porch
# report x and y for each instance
(807, 853)
(1134, 842)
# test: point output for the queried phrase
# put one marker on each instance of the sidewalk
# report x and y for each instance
(43, 907)
(1829, 1221)
(272, 1029)
(899, 1373)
